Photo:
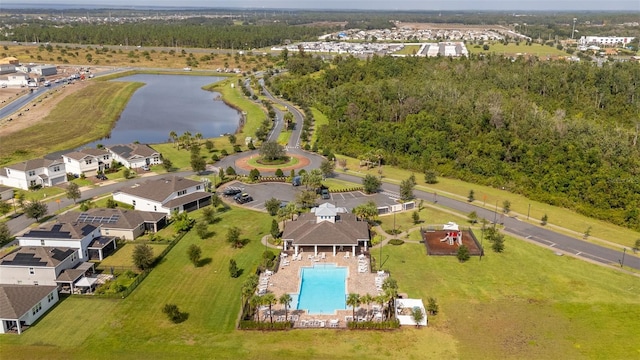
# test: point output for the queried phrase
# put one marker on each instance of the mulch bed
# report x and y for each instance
(436, 247)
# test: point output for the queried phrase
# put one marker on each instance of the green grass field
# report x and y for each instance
(428, 216)
(95, 110)
(319, 120)
(123, 255)
(488, 197)
(512, 49)
(526, 303)
(408, 50)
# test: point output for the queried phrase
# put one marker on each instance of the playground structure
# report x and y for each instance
(454, 235)
(446, 239)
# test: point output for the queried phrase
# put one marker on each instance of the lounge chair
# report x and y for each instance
(322, 256)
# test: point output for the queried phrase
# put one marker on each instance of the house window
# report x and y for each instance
(182, 192)
(106, 231)
(35, 282)
(155, 208)
(68, 160)
(32, 183)
(32, 173)
(156, 159)
(41, 242)
(88, 161)
(198, 187)
(32, 271)
(36, 309)
(133, 202)
(106, 157)
(50, 297)
(56, 168)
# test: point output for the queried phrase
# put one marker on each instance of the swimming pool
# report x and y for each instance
(322, 289)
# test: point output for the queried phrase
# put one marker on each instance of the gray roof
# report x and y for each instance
(130, 151)
(34, 164)
(61, 230)
(113, 218)
(81, 154)
(347, 230)
(37, 256)
(182, 200)
(160, 189)
(17, 300)
(71, 275)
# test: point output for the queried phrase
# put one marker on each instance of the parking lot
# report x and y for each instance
(286, 192)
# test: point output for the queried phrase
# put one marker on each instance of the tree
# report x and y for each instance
(215, 201)
(182, 222)
(5, 234)
(366, 299)
(463, 253)
(5, 207)
(209, 145)
(279, 173)
(234, 272)
(506, 206)
(327, 167)
(485, 47)
(353, 300)
(406, 189)
(209, 213)
(417, 315)
(73, 192)
(285, 299)
(233, 237)
(173, 136)
(312, 179)
(232, 139)
(111, 204)
(367, 211)
(432, 306)
(254, 174)
(270, 299)
(173, 313)
(587, 233)
(636, 246)
(271, 151)
(143, 256)
(287, 212)
(35, 209)
(127, 174)
(498, 243)
(544, 219)
(371, 184)
(167, 164)
(472, 196)
(198, 164)
(194, 252)
(202, 229)
(230, 171)
(343, 164)
(473, 217)
(275, 229)
(430, 177)
(416, 217)
(306, 199)
(255, 302)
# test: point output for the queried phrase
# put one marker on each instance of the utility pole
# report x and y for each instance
(624, 251)
(528, 211)
(495, 215)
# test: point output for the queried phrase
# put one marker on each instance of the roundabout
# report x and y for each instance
(294, 162)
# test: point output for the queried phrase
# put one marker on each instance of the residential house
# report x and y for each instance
(120, 223)
(31, 173)
(326, 226)
(87, 161)
(10, 60)
(167, 195)
(85, 238)
(135, 155)
(22, 305)
(6, 193)
(19, 79)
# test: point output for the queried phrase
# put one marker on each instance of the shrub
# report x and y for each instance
(396, 242)
(234, 272)
(173, 313)
(463, 253)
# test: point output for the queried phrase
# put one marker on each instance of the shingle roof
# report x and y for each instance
(160, 189)
(16, 300)
(33, 164)
(347, 230)
(112, 218)
(128, 151)
(61, 230)
(37, 256)
(186, 199)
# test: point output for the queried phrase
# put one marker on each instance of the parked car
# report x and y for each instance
(230, 191)
(243, 198)
(145, 168)
(325, 194)
(102, 177)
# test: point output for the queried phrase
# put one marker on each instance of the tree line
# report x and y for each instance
(558, 132)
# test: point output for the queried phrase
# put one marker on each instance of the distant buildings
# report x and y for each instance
(605, 40)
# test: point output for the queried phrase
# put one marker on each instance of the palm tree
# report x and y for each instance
(353, 300)
(381, 299)
(198, 137)
(367, 299)
(285, 299)
(390, 288)
(270, 299)
(255, 302)
(173, 136)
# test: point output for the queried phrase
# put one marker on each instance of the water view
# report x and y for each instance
(171, 103)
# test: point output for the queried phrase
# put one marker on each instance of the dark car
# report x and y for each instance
(230, 191)
(243, 198)
(325, 194)
(101, 177)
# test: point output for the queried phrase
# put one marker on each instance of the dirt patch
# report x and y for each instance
(47, 100)
(243, 163)
(435, 245)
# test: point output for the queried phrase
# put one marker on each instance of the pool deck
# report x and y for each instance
(287, 280)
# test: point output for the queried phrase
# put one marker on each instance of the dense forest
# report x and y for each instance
(563, 133)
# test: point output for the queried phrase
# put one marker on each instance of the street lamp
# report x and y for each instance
(574, 27)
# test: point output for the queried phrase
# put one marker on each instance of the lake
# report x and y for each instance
(171, 103)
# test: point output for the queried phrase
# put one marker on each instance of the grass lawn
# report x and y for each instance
(283, 137)
(181, 158)
(41, 193)
(102, 203)
(428, 216)
(94, 111)
(488, 197)
(319, 119)
(513, 49)
(337, 184)
(408, 50)
(123, 256)
(524, 303)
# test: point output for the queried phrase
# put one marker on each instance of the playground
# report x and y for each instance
(446, 239)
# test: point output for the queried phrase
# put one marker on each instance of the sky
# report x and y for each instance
(541, 5)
